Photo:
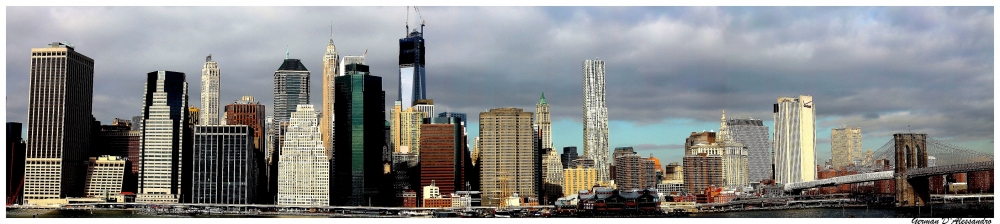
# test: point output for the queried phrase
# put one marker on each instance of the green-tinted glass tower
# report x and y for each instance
(359, 118)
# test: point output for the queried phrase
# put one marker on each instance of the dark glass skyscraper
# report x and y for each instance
(291, 88)
(569, 154)
(412, 81)
(15, 162)
(359, 121)
(225, 165)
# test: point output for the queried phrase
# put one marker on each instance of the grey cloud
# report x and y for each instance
(875, 67)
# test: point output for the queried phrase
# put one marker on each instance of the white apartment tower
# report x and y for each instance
(210, 80)
(595, 119)
(330, 71)
(794, 139)
(845, 143)
(304, 169)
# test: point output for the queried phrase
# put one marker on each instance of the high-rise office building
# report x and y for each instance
(194, 116)
(118, 139)
(454, 114)
(405, 129)
(442, 153)
(755, 137)
(210, 81)
(733, 166)
(359, 118)
(350, 59)
(136, 122)
(225, 168)
(702, 170)
(507, 149)
(412, 80)
(59, 122)
(673, 172)
(794, 139)
(544, 122)
(634, 172)
(165, 151)
(568, 155)
(845, 143)
(15, 163)
(578, 178)
(251, 113)
(105, 176)
(330, 72)
(304, 177)
(552, 175)
(291, 88)
(595, 119)
(424, 105)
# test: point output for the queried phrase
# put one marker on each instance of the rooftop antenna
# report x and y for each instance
(366, 54)
(407, 19)
(286, 51)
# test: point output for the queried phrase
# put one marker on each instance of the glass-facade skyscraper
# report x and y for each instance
(412, 81)
(359, 121)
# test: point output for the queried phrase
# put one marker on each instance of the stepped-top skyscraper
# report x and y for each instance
(59, 119)
(544, 122)
(330, 71)
(412, 81)
(210, 80)
(291, 88)
(595, 119)
(164, 129)
(794, 140)
(304, 169)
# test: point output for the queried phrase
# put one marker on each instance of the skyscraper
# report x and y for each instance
(15, 163)
(568, 155)
(544, 122)
(794, 139)
(210, 81)
(249, 112)
(360, 126)
(291, 88)
(553, 175)
(118, 139)
(164, 150)
(412, 83)
(634, 172)
(442, 153)
(304, 167)
(755, 137)
(59, 122)
(845, 143)
(595, 119)
(350, 59)
(330, 72)
(507, 151)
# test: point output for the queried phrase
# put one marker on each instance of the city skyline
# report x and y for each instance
(851, 61)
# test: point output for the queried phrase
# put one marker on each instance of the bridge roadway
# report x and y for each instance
(888, 175)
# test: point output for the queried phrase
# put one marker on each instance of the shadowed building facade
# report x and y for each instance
(59, 122)
(359, 115)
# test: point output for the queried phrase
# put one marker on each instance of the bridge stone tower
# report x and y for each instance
(911, 153)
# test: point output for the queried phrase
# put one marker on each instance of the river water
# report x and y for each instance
(938, 211)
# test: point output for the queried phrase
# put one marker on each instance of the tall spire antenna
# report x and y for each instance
(286, 51)
(407, 19)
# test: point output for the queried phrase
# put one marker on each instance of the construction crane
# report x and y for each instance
(416, 9)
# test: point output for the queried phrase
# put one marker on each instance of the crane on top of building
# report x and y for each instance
(416, 9)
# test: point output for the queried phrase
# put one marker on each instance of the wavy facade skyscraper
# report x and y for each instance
(794, 140)
(595, 119)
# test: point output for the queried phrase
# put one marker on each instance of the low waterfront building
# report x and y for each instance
(105, 176)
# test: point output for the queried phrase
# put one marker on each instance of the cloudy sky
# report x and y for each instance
(670, 70)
